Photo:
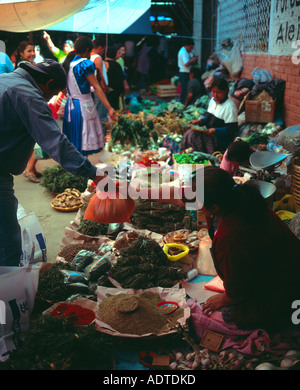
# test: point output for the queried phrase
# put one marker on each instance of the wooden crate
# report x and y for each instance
(167, 90)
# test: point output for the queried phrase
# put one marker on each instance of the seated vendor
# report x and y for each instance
(195, 87)
(254, 252)
(237, 153)
(221, 121)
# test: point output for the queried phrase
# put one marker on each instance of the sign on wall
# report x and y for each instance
(284, 27)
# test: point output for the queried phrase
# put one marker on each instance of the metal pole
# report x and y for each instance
(197, 28)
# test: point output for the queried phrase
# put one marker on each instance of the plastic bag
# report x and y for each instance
(73, 277)
(18, 287)
(261, 76)
(104, 208)
(204, 261)
(98, 267)
(31, 223)
(82, 260)
(289, 139)
(234, 61)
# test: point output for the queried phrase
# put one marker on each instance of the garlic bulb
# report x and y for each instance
(266, 366)
(286, 363)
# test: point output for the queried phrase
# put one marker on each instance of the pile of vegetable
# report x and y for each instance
(257, 138)
(143, 264)
(56, 179)
(190, 158)
(204, 359)
(136, 132)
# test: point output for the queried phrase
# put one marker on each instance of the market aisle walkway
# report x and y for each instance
(35, 198)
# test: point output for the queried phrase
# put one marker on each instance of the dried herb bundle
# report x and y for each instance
(51, 283)
(91, 228)
(56, 179)
(160, 217)
(143, 264)
(57, 344)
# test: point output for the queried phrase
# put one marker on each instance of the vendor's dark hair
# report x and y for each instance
(188, 42)
(80, 45)
(196, 72)
(99, 41)
(239, 151)
(244, 200)
(21, 47)
(220, 83)
(111, 52)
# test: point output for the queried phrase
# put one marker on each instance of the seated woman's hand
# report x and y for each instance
(213, 303)
(210, 131)
(195, 122)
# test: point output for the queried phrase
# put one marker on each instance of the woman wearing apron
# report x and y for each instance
(81, 122)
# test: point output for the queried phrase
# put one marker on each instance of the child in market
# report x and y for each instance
(237, 153)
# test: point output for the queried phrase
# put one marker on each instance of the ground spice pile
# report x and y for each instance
(143, 264)
(70, 251)
(142, 318)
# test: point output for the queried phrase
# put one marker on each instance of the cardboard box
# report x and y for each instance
(260, 110)
(167, 90)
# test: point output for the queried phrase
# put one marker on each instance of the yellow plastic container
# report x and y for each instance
(185, 251)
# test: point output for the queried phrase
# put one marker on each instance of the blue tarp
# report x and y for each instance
(110, 17)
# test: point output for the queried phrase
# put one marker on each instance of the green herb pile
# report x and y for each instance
(143, 264)
(190, 158)
(57, 344)
(135, 132)
(91, 228)
(56, 179)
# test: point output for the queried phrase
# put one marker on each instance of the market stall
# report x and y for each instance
(119, 266)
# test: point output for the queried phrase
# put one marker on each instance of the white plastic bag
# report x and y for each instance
(204, 261)
(18, 287)
(234, 61)
(30, 226)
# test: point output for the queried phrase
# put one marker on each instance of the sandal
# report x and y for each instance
(32, 178)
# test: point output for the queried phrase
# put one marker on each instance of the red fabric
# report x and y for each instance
(79, 315)
(216, 284)
(260, 264)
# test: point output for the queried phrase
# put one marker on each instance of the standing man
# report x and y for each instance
(26, 119)
(185, 60)
(59, 54)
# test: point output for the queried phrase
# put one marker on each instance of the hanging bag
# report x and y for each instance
(108, 207)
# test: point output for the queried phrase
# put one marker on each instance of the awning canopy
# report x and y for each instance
(109, 17)
(23, 16)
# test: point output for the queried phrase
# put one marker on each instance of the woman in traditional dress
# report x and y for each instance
(81, 122)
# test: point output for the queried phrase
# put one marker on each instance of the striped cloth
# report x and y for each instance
(247, 342)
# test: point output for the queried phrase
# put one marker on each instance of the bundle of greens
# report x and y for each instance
(56, 179)
(135, 132)
(257, 138)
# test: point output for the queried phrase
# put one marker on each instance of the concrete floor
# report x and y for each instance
(35, 198)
